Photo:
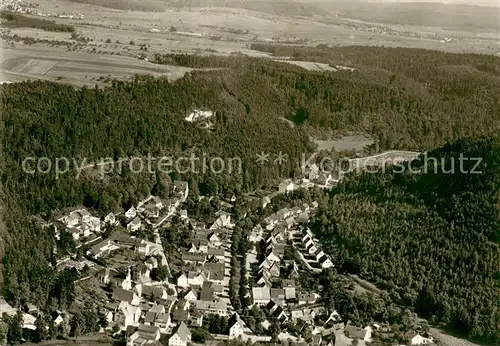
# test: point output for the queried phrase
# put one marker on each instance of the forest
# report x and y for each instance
(430, 240)
(406, 98)
(15, 20)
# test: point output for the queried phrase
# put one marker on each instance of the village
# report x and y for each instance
(153, 296)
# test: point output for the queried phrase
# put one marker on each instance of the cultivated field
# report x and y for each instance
(51, 63)
(210, 27)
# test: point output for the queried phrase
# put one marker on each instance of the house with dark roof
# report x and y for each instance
(144, 335)
(181, 337)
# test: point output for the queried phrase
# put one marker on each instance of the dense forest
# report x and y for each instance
(408, 99)
(15, 20)
(431, 240)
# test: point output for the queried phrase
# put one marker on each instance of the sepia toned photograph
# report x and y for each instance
(250, 172)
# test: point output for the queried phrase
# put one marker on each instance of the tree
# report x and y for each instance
(160, 273)
(15, 328)
(42, 332)
(274, 330)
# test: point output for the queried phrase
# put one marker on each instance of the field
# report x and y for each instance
(54, 64)
(109, 38)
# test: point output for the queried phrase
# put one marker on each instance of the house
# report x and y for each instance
(218, 307)
(289, 288)
(319, 254)
(103, 248)
(325, 262)
(256, 234)
(157, 292)
(146, 248)
(286, 186)
(324, 179)
(214, 240)
(182, 281)
(181, 190)
(151, 263)
(195, 278)
(162, 321)
(277, 295)
(145, 334)
(265, 201)
(192, 248)
(191, 296)
(312, 172)
(110, 219)
(274, 270)
(126, 283)
(131, 213)
(57, 318)
(333, 318)
(261, 295)
(7, 308)
(417, 339)
(181, 337)
(237, 329)
(142, 273)
(127, 315)
(29, 321)
(215, 272)
(264, 279)
(271, 257)
(104, 276)
(207, 293)
(358, 333)
(122, 295)
(183, 214)
(224, 221)
(216, 253)
(134, 225)
(306, 298)
(180, 315)
(277, 311)
(195, 258)
(201, 244)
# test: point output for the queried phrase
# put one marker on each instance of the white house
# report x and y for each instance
(131, 213)
(286, 186)
(195, 278)
(214, 240)
(134, 225)
(420, 340)
(181, 189)
(127, 315)
(237, 329)
(151, 263)
(261, 295)
(181, 337)
(326, 262)
(103, 248)
(110, 219)
(182, 281)
(144, 335)
(364, 334)
(223, 221)
(191, 296)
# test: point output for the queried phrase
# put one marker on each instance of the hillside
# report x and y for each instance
(430, 239)
(405, 98)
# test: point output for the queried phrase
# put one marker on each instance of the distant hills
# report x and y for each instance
(458, 16)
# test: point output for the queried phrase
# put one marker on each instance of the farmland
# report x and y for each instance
(46, 63)
(110, 35)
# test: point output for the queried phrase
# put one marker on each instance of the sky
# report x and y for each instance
(469, 2)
